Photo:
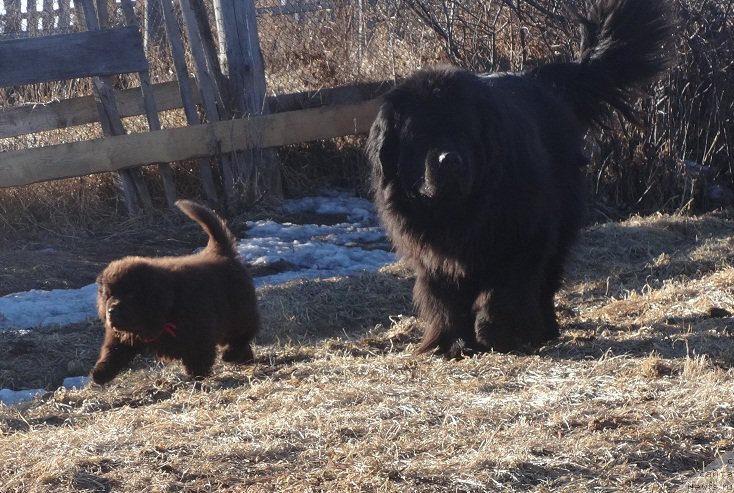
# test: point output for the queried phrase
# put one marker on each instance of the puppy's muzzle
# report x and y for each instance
(114, 315)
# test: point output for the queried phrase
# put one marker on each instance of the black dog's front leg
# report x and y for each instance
(114, 356)
(509, 316)
(445, 307)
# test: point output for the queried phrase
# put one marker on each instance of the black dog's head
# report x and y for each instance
(430, 140)
(135, 297)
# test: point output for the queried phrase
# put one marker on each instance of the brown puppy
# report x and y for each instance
(178, 307)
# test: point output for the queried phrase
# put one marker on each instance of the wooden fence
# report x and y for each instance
(228, 84)
(300, 117)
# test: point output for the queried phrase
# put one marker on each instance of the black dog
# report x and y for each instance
(478, 179)
(178, 307)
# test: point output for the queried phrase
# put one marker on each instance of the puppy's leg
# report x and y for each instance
(508, 316)
(113, 357)
(198, 361)
(446, 309)
(238, 350)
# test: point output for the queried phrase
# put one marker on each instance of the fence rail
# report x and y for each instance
(128, 151)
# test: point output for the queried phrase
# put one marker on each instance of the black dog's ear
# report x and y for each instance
(382, 146)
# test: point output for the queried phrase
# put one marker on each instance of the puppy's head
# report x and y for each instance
(135, 297)
(429, 140)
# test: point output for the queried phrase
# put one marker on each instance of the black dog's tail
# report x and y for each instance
(625, 44)
(221, 239)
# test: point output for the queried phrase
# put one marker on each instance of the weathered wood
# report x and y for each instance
(187, 94)
(70, 56)
(27, 119)
(205, 79)
(153, 24)
(32, 118)
(151, 111)
(246, 68)
(47, 16)
(64, 15)
(12, 16)
(112, 125)
(125, 151)
(209, 90)
(32, 16)
(134, 190)
(201, 13)
(258, 171)
(347, 94)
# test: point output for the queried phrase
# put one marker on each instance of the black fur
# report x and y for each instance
(478, 179)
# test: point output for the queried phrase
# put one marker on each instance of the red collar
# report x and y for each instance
(169, 328)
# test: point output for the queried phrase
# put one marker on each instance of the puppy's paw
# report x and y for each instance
(239, 354)
(101, 375)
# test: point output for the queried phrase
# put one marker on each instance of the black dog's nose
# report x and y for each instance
(445, 174)
(450, 161)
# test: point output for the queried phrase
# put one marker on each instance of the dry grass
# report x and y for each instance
(636, 395)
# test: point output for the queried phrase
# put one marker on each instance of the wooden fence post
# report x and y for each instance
(133, 186)
(187, 94)
(12, 16)
(259, 169)
(151, 110)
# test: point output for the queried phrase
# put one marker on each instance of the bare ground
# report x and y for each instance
(636, 395)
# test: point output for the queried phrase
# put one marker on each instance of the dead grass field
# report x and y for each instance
(637, 394)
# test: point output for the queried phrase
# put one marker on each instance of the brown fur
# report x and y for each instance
(209, 297)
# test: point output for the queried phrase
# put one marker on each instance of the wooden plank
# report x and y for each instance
(32, 14)
(70, 56)
(135, 192)
(206, 80)
(27, 119)
(64, 15)
(211, 95)
(32, 118)
(348, 94)
(126, 151)
(257, 170)
(151, 111)
(12, 16)
(188, 94)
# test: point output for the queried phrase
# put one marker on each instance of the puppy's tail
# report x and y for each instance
(221, 239)
(625, 44)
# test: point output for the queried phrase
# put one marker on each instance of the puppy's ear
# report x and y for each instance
(382, 146)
